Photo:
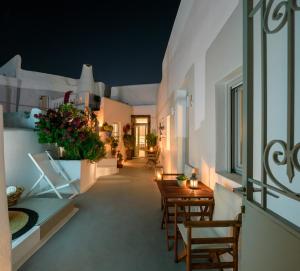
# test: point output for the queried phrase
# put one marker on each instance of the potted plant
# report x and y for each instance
(75, 131)
(119, 160)
(107, 129)
(181, 180)
(128, 141)
(151, 140)
(114, 144)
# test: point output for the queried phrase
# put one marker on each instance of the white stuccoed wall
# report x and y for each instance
(116, 112)
(34, 84)
(203, 70)
(19, 168)
(5, 240)
(144, 94)
(185, 68)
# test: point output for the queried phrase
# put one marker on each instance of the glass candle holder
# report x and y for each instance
(158, 173)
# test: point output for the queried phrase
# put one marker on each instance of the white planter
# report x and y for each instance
(106, 166)
(83, 170)
(181, 183)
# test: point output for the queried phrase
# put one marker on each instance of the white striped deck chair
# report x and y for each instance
(52, 174)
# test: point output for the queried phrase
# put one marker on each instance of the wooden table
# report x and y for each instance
(170, 190)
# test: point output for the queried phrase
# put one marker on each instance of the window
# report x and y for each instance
(236, 94)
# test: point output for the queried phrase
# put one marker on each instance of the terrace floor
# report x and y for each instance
(117, 228)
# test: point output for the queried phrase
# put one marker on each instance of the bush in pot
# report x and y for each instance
(181, 180)
(72, 129)
(151, 140)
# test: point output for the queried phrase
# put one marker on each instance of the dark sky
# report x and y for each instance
(125, 41)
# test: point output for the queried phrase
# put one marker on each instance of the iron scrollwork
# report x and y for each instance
(280, 13)
(275, 16)
(285, 157)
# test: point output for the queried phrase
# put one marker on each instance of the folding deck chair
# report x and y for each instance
(52, 174)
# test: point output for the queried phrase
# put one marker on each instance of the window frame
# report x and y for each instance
(235, 129)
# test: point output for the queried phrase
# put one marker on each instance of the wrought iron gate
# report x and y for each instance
(274, 16)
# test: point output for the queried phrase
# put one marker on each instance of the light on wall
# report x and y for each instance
(189, 100)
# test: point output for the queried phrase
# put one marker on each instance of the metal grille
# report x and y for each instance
(274, 16)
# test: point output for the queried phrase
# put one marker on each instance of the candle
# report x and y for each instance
(193, 183)
(158, 176)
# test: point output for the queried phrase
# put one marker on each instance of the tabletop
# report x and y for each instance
(169, 189)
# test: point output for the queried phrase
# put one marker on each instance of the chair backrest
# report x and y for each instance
(170, 176)
(227, 206)
(193, 210)
(43, 164)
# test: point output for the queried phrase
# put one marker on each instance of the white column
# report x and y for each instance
(5, 237)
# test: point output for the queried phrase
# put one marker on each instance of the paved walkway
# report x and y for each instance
(116, 229)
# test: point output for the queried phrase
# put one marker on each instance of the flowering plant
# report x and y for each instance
(74, 130)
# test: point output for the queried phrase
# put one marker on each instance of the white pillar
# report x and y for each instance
(5, 237)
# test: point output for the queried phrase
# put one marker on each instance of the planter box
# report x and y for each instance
(106, 167)
(80, 169)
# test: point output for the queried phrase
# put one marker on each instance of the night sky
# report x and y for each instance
(125, 41)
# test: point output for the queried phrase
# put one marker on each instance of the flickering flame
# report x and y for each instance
(158, 176)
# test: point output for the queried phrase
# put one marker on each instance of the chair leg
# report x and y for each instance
(161, 203)
(167, 227)
(34, 186)
(163, 218)
(175, 244)
(188, 259)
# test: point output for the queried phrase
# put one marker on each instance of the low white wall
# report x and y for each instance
(79, 169)
(18, 166)
(5, 240)
(136, 94)
(106, 167)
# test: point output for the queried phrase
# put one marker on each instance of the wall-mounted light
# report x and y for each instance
(189, 100)
(172, 111)
(161, 128)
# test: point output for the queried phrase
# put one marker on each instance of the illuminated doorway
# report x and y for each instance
(140, 129)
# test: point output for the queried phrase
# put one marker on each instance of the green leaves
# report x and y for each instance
(151, 139)
(74, 130)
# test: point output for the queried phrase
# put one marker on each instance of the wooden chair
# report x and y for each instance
(208, 240)
(153, 158)
(166, 177)
(199, 209)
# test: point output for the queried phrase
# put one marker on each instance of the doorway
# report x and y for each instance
(140, 128)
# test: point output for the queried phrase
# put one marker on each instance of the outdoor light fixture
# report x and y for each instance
(159, 170)
(193, 179)
(151, 149)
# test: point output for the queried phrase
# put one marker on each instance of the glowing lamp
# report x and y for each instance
(151, 149)
(159, 170)
(193, 181)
